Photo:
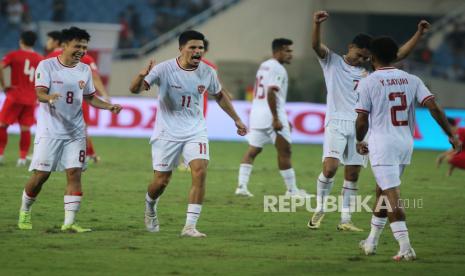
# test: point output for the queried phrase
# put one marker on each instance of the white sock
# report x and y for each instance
(27, 202)
(244, 174)
(323, 189)
(377, 226)
(150, 205)
(72, 204)
(349, 191)
(399, 229)
(193, 214)
(289, 179)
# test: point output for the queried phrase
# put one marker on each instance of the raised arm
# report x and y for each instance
(441, 119)
(137, 84)
(225, 103)
(318, 18)
(408, 47)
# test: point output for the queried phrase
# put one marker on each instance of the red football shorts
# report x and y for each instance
(458, 160)
(14, 112)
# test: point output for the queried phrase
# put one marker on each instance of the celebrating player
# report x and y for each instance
(342, 75)
(455, 160)
(180, 126)
(20, 96)
(388, 96)
(268, 119)
(61, 85)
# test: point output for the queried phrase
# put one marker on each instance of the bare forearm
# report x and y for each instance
(361, 127)
(272, 103)
(2, 79)
(225, 104)
(316, 40)
(137, 84)
(43, 96)
(97, 103)
(100, 86)
(441, 119)
(408, 47)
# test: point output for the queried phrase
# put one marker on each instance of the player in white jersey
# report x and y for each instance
(62, 83)
(180, 126)
(387, 107)
(268, 119)
(342, 75)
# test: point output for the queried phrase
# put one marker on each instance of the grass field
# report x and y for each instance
(242, 239)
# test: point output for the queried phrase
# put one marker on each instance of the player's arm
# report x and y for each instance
(319, 48)
(98, 103)
(271, 97)
(2, 78)
(100, 86)
(225, 103)
(138, 84)
(408, 47)
(441, 119)
(361, 129)
(44, 97)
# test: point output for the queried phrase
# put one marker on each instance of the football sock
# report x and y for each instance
(399, 229)
(244, 174)
(289, 179)
(3, 139)
(89, 147)
(150, 205)
(24, 143)
(193, 214)
(323, 189)
(349, 191)
(377, 226)
(27, 201)
(72, 204)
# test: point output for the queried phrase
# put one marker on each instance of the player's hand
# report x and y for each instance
(53, 98)
(423, 26)
(115, 108)
(362, 148)
(147, 69)
(320, 16)
(277, 125)
(456, 144)
(241, 128)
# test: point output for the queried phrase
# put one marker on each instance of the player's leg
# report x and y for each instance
(349, 193)
(378, 221)
(8, 116)
(197, 154)
(3, 140)
(26, 120)
(30, 193)
(257, 138)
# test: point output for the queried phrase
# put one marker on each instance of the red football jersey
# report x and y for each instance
(23, 65)
(461, 134)
(87, 59)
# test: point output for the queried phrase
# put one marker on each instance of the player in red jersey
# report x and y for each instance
(20, 95)
(54, 49)
(455, 160)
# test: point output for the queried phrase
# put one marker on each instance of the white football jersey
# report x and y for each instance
(180, 99)
(341, 83)
(270, 74)
(389, 96)
(63, 119)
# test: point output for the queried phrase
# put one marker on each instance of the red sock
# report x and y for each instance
(89, 147)
(3, 139)
(24, 143)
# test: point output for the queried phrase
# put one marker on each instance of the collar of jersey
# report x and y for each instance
(385, 68)
(179, 65)
(65, 65)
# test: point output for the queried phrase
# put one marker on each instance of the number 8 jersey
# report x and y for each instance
(180, 99)
(389, 96)
(63, 119)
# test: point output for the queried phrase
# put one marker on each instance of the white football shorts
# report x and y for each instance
(388, 176)
(259, 137)
(165, 154)
(58, 154)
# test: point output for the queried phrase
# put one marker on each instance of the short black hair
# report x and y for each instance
(362, 41)
(452, 121)
(279, 43)
(74, 33)
(55, 35)
(384, 48)
(28, 38)
(206, 43)
(185, 36)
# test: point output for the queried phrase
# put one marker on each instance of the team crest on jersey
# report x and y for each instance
(201, 88)
(82, 84)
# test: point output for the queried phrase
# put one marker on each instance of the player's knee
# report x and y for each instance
(74, 174)
(253, 152)
(40, 177)
(329, 171)
(199, 172)
(352, 176)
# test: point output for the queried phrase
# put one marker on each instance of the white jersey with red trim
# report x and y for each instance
(389, 96)
(270, 74)
(341, 82)
(63, 119)
(180, 98)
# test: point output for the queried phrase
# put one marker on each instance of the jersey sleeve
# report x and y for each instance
(276, 79)
(364, 101)
(89, 60)
(154, 76)
(422, 94)
(215, 86)
(89, 88)
(42, 76)
(6, 60)
(329, 57)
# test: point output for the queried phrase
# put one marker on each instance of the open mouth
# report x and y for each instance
(196, 58)
(78, 56)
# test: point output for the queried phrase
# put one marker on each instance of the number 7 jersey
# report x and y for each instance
(389, 96)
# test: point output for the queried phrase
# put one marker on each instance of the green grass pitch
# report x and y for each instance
(242, 239)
